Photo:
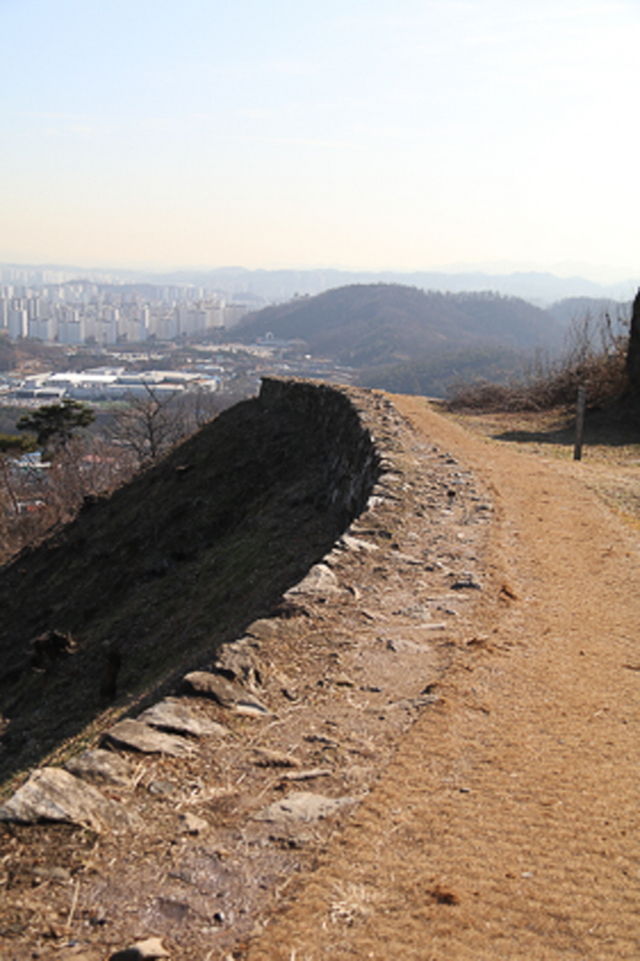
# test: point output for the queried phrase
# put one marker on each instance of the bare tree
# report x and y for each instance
(34, 498)
(150, 425)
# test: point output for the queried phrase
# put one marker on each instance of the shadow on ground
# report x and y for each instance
(607, 428)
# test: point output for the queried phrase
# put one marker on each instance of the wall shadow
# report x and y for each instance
(617, 428)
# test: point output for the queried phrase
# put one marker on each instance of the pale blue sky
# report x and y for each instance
(402, 135)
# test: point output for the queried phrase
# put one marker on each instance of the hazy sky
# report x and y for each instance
(401, 134)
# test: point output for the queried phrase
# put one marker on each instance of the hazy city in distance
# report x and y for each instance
(77, 306)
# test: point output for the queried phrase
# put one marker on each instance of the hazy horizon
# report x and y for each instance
(596, 273)
(432, 136)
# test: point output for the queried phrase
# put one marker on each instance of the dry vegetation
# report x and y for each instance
(610, 464)
(595, 357)
(538, 414)
(37, 498)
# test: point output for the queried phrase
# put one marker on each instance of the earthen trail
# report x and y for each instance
(508, 825)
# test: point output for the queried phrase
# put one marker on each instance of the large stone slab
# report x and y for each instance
(136, 736)
(100, 767)
(225, 692)
(303, 806)
(172, 715)
(53, 794)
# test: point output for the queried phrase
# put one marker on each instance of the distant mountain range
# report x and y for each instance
(275, 286)
(278, 285)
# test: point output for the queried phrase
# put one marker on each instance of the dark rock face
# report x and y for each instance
(633, 354)
(111, 664)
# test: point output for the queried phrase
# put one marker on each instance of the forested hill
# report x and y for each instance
(373, 325)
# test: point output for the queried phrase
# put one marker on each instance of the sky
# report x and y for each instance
(359, 134)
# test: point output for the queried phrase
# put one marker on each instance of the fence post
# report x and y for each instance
(582, 403)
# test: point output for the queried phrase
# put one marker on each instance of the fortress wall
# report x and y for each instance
(334, 418)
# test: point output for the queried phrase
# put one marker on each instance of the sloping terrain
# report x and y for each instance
(448, 768)
(371, 325)
(204, 832)
(507, 824)
(159, 575)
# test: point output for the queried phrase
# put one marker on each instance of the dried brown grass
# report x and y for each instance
(595, 358)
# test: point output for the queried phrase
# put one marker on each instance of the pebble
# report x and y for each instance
(192, 824)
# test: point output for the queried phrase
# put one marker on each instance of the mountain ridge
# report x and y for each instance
(281, 284)
(379, 324)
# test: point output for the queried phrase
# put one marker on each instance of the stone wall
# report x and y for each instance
(179, 561)
(332, 420)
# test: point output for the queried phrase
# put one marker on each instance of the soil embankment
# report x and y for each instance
(507, 826)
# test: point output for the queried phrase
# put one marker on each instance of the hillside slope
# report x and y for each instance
(369, 325)
(178, 561)
(198, 847)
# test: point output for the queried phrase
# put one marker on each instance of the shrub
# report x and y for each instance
(594, 357)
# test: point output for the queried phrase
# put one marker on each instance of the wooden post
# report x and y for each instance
(582, 403)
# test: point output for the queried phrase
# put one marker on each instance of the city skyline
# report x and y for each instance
(413, 136)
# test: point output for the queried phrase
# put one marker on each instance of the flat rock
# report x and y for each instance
(141, 951)
(303, 806)
(319, 580)
(172, 715)
(308, 775)
(53, 794)
(225, 692)
(239, 659)
(101, 767)
(136, 736)
(357, 543)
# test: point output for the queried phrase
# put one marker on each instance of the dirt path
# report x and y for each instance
(508, 825)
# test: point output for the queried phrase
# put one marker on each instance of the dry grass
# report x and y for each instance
(610, 464)
(595, 358)
(537, 414)
(351, 902)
